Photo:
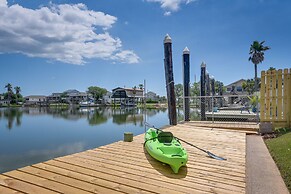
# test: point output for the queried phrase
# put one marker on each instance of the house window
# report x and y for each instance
(228, 89)
(239, 88)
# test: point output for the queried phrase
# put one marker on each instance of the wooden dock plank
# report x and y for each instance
(126, 167)
(160, 177)
(7, 190)
(73, 182)
(122, 173)
(202, 163)
(123, 184)
(144, 166)
(45, 183)
(23, 186)
(219, 175)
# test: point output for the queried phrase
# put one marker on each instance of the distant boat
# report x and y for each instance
(87, 103)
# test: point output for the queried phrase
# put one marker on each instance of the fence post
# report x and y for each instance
(279, 101)
(288, 85)
(262, 97)
(274, 95)
(268, 86)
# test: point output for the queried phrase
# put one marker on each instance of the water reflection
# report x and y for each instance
(13, 117)
(94, 116)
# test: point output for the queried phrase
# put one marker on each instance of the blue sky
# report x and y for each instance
(52, 46)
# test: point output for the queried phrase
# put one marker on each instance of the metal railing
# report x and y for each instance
(226, 108)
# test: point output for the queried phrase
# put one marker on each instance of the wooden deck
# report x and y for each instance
(125, 167)
(244, 127)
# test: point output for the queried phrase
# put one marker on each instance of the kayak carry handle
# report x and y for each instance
(177, 155)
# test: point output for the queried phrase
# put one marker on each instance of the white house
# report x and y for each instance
(107, 98)
(35, 100)
(152, 96)
(235, 87)
(3, 101)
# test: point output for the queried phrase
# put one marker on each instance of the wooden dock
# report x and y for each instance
(231, 114)
(125, 167)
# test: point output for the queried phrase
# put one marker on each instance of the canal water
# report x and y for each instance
(33, 135)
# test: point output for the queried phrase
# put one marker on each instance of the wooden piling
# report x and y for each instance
(168, 63)
(186, 82)
(202, 90)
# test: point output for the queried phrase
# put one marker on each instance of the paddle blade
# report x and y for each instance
(214, 156)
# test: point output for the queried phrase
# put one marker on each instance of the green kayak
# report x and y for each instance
(164, 147)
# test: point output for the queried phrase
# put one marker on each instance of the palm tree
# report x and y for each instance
(9, 92)
(9, 87)
(257, 56)
(17, 90)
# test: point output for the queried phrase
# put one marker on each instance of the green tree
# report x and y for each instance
(17, 90)
(18, 96)
(195, 89)
(163, 99)
(249, 86)
(217, 86)
(97, 92)
(179, 92)
(257, 56)
(9, 92)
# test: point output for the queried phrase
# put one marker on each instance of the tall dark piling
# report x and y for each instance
(168, 63)
(220, 93)
(213, 91)
(212, 86)
(202, 90)
(208, 99)
(186, 83)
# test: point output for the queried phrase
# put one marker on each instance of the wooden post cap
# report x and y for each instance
(128, 136)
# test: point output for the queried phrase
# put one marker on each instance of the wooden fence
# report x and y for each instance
(275, 99)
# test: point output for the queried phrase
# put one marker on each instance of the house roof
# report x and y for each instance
(127, 93)
(127, 89)
(241, 80)
(35, 96)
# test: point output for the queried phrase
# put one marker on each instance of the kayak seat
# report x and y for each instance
(165, 137)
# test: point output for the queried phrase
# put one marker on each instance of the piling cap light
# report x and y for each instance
(186, 51)
(167, 39)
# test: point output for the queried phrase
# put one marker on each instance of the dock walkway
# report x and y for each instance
(125, 167)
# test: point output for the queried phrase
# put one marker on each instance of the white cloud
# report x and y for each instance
(171, 5)
(126, 55)
(66, 33)
(3, 3)
(167, 13)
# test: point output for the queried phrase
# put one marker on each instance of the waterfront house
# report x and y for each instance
(151, 96)
(35, 100)
(54, 98)
(127, 96)
(3, 102)
(234, 91)
(235, 87)
(75, 97)
(70, 96)
(107, 98)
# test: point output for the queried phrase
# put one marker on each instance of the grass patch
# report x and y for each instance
(280, 149)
